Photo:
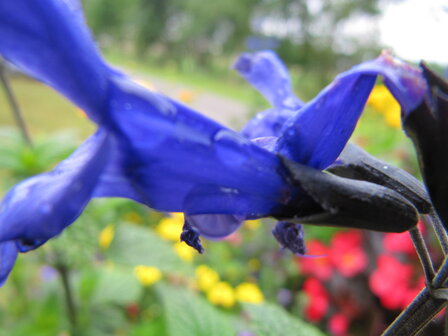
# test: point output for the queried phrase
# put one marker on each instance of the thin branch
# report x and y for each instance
(70, 303)
(439, 230)
(17, 114)
(423, 254)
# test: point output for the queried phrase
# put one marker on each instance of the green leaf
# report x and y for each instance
(268, 319)
(117, 286)
(135, 245)
(188, 314)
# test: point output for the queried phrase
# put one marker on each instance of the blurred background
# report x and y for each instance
(121, 270)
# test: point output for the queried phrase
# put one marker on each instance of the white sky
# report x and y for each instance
(416, 29)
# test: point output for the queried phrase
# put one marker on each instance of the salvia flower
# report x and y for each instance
(161, 153)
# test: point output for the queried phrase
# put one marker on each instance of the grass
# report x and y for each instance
(44, 110)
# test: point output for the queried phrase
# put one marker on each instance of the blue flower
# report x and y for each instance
(315, 133)
(161, 153)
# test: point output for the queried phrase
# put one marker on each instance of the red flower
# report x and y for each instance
(398, 242)
(338, 325)
(391, 282)
(318, 300)
(346, 253)
(347, 239)
(401, 242)
(317, 263)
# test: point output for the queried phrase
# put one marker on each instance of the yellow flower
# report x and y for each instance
(383, 102)
(222, 294)
(106, 236)
(393, 118)
(249, 292)
(170, 228)
(252, 224)
(206, 277)
(147, 275)
(186, 96)
(184, 251)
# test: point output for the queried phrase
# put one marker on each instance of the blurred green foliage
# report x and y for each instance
(198, 34)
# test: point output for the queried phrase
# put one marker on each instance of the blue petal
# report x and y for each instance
(49, 40)
(319, 131)
(266, 72)
(316, 135)
(8, 256)
(179, 160)
(40, 207)
(405, 82)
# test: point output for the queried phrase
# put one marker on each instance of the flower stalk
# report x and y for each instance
(439, 230)
(64, 274)
(14, 105)
(423, 254)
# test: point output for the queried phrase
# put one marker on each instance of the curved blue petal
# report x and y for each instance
(179, 160)
(8, 256)
(405, 82)
(49, 40)
(316, 135)
(266, 72)
(40, 207)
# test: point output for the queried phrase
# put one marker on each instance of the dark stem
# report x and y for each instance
(17, 114)
(64, 273)
(423, 254)
(439, 230)
(422, 309)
